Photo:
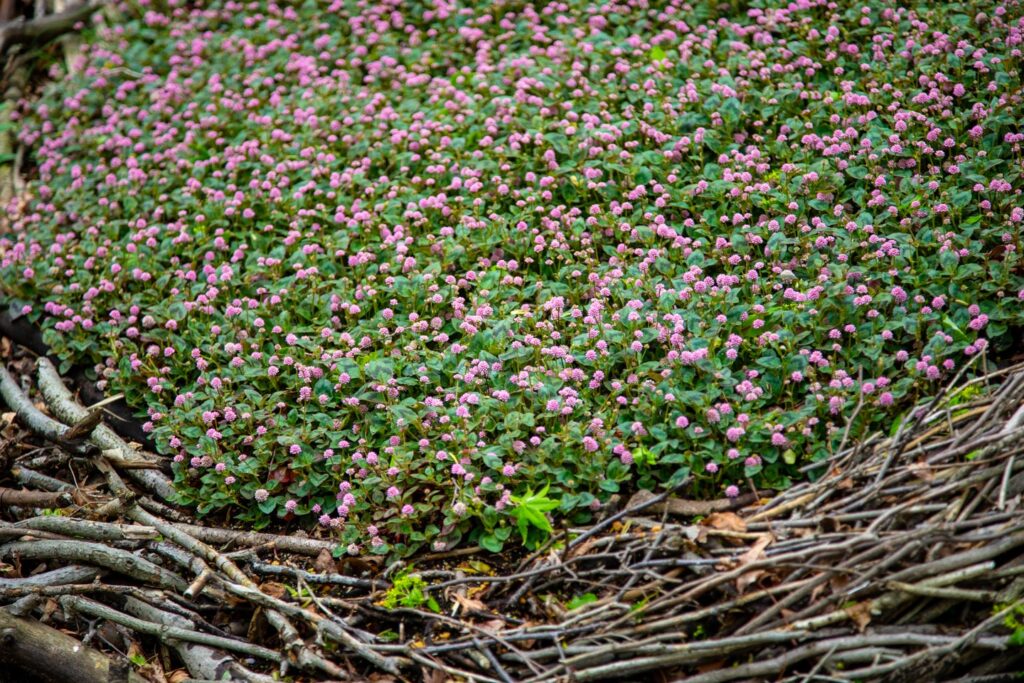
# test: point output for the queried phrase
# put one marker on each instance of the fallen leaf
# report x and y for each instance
(492, 625)
(178, 676)
(922, 471)
(476, 567)
(726, 521)
(747, 579)
(434, 676)
(469, 604)
(583, 548)
(708, 667)
(273, 589)
(325, 562)
(838, 582)
(860, 614)
(756, 552)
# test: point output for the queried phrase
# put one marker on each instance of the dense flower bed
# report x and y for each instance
(423, 272)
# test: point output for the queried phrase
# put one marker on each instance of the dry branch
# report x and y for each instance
(55, 656)
(49, 499)
(45, 28)
(57, 577)
(32, 417)
(202, 661)
(64, 406)
(96, 554)
(166, 633)
(251, 539)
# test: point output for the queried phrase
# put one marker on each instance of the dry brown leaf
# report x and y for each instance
(726, 521)
(746, 580)
(492, 625)
(274, 589)
(477, 590)
(838, 582)
(469, 604)
(922, 471)
(860, 614)
(583, 548)
(755, 553)
(434, 676)
(708, 667)
(178, 676)
(324, 562)
(134, 650)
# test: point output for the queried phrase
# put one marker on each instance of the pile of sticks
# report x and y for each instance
(903, 559)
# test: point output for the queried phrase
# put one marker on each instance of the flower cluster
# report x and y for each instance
(383, 267)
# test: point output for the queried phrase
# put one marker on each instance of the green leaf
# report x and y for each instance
(530, 509)
(491, 543)
(961, 199)
(580, 601)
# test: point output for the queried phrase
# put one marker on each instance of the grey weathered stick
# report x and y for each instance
(33, 479)
(42, 499)
(56, 656)
(64, 406)
(201, 660)
(45, 28)
(337, 579)
(89, 530)
(55, 577)
(32, 417)
(119, 561)
(771, 667)
(248, 539)
(242, 585)
(166, 633)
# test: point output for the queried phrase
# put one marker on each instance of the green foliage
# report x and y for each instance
(409, 590)
(390, 270)
(530, 512)
(580, 600)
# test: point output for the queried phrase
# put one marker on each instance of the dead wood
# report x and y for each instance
(55, 656)
(44, 28)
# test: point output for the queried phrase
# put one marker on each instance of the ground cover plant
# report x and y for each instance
(425, 273)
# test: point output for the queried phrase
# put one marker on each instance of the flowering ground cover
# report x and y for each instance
(424, 273)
